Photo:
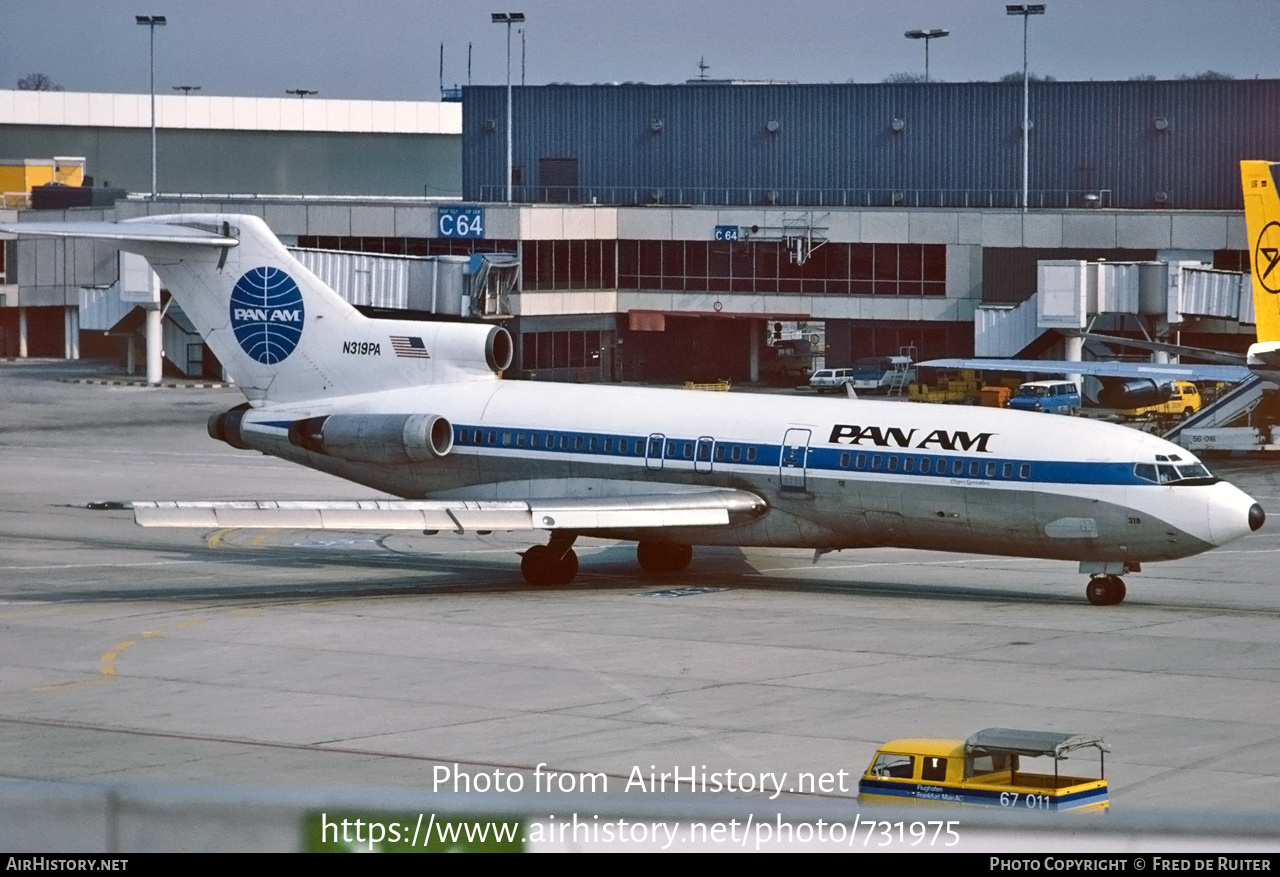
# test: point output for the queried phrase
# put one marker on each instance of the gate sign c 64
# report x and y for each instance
(726, 232)
(460, 222)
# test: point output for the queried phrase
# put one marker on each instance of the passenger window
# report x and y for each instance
(535, 440)
(957, 468)
(909, 464)
(464, 436)
(623, 446)
(893, 464)
(844, 461)
(1008, 471)
(975, 469)
(719, 453)
(673, 450)
(737, 453)
(875, 462)
(926, 463)
(688, 450)
(493, 437)
(608, 446)
(861, 462)
(577, 442)
(593, 444)
(933, 770)
(991, 470)
(655, 447)
(564, 443)
(520, 439)
(1025, 471)
(751, 455)
(901, 767)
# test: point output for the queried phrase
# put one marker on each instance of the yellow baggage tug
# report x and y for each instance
(986, 770)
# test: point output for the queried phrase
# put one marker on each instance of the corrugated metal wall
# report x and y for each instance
(958, 145)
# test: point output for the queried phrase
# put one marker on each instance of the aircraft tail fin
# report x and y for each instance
(282, 334)
(1262, 221)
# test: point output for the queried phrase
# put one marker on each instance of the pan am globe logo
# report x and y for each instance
(266, 314)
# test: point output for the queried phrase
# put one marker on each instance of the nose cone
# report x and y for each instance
(1232, 513)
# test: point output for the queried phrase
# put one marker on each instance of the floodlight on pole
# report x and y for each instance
(933, 33)
(186, 89)
(1026, 10)
(152, 22)
(301, 92)
(508, 18)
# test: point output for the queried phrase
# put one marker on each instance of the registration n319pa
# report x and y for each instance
(418, 410)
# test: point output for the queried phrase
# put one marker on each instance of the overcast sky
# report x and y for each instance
(389, 49)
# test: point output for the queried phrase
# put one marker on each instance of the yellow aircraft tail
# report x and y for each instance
(1262, 221)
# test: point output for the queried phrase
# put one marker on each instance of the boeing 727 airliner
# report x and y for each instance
(418, 410)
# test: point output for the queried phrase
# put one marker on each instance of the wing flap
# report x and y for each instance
(708, 508)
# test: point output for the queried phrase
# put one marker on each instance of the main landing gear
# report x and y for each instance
(1105, 590)
(663, 557)
(552, 564)
(556, 563)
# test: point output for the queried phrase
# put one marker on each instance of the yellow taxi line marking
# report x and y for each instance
(189, 623)
(120, 647)
(108, 671)
(215, 540)
(261, 537)
(108, 657)
(150, 633)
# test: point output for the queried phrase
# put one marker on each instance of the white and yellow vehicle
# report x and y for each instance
(985, 770)
(1183, 402)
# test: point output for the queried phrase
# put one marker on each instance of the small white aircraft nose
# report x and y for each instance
(1232, 513)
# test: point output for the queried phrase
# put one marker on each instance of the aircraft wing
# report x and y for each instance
(682, 508)
(1181, 350)
(1157, 371)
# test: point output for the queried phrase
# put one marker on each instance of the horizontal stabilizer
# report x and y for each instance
(684, 509)
(123, 232)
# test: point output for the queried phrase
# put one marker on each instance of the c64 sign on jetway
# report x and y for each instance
(460, 222)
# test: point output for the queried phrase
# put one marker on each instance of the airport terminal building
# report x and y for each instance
(662, 231)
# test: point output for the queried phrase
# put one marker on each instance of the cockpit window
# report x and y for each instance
(1167, 473)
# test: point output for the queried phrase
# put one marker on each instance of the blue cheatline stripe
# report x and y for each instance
(880, 462)
(987, 797)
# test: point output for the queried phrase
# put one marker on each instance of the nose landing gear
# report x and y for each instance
(1105, 590)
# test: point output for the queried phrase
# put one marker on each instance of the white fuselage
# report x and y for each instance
(836, 473)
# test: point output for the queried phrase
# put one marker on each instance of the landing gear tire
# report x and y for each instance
(1105, 590)
(662, 557)
(541, 568)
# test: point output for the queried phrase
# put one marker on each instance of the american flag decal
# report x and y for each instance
(409, 347)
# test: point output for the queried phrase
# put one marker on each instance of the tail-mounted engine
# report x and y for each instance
(1119, 393)
(375, 438)
(225, 427)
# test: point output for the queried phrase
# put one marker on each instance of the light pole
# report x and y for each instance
(186, 89)
(301, 92)
(1026, 10)
(508, 18)
(152, 21)
(932, 33)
